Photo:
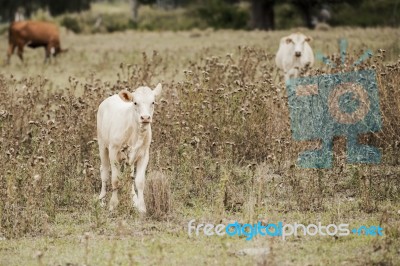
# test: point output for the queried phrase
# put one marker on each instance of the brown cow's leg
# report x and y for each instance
(51, 50)
(47, 54)
(11, 48)
(20, 52)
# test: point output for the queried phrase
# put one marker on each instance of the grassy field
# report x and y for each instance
(222, 152)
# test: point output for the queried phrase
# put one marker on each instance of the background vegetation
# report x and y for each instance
(222, 151)
(90, 16)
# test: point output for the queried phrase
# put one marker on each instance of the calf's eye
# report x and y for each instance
(135, 103)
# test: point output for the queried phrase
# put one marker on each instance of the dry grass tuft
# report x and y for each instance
(158, 197)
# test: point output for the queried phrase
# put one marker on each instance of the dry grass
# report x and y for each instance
(222, 146)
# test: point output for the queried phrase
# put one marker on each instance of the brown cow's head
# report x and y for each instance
(58, 50)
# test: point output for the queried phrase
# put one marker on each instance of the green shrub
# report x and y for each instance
(370, 13)
(90, 22)
(3, 28)
(42, 15)
(72, 23)
(287, 16)
(219, 14)
(216, 14)
(116, 22)
(177, 19)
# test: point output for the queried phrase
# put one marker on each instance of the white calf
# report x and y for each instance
(294, 54)
(125, 118)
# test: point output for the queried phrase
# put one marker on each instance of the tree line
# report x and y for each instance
(263, 14)
(27, 7)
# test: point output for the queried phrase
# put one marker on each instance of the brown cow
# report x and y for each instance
(34, 34)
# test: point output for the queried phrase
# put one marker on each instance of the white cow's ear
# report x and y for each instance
(308, 39)
(157, 91)
(288, 40)
(126, 96)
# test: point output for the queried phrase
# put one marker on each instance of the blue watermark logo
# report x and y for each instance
(368, 231)
(322, 107)
(249, 231)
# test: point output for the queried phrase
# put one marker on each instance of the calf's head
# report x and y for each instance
(143, 100)
(296, 43)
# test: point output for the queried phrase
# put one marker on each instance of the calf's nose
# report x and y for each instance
(145, 118)
(298, 54)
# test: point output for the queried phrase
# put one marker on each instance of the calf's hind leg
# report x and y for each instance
(105, 168)
(113, 153)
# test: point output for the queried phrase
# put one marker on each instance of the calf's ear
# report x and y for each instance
(157, 91)
(126, 96)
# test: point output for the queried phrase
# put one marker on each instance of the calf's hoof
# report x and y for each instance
(102, 202)
(139, 205)
(142, 210)
(102, 199)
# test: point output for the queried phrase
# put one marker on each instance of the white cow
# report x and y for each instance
(294, 54)
(125, 118)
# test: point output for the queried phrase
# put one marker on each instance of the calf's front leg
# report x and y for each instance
(138, 200)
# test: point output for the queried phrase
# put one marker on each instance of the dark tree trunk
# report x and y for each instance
(134, 9)
(306, 11)
(306, 8)
(263, 14)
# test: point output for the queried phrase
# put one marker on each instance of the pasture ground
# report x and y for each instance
(56, 220)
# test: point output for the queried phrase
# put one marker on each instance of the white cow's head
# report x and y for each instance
(296, 43)
(143, 100)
